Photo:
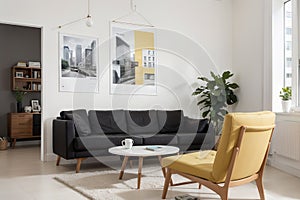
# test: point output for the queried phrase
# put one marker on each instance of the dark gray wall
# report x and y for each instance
(17, 43)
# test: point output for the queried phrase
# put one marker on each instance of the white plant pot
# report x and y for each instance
(286, 105)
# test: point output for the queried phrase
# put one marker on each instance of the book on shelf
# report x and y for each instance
(21, 64)
(154, 148)
(34, 64)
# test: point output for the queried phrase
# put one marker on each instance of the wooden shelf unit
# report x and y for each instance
(29, 82)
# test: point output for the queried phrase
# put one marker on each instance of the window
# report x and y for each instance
(288, 43)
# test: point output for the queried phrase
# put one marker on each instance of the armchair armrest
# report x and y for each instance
(63, 136)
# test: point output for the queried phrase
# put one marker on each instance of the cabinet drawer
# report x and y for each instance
(21, 116)
(20, 123)
(20, 132)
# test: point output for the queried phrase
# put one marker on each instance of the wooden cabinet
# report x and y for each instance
(23, 125)
(26, 79)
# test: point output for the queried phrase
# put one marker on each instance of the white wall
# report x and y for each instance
(191, 25)
(248, 53)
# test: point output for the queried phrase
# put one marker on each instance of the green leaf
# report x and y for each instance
(233, 85)
(226, 75)
(204, 114)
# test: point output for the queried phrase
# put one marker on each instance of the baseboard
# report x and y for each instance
(28, 143)
(284, 167)
(50, 157)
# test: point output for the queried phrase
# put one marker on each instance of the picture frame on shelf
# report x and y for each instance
(19, 74)
(35, 106)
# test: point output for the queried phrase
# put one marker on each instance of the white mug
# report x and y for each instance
(127, 143)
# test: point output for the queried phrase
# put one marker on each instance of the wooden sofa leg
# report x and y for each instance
(79, 160)
(58, 160)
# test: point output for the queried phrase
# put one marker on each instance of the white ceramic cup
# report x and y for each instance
(127, 143)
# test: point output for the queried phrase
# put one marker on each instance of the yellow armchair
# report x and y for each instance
(240, 158)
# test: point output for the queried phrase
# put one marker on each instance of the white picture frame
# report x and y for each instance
(35, 106)
(19, 75)
(78, 63)
(130, 71)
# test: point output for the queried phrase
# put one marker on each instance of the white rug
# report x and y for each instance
(106, 185)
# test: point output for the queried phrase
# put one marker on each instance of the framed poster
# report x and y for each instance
(133, 59)
(78, 63)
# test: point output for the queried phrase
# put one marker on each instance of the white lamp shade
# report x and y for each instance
(89, 22)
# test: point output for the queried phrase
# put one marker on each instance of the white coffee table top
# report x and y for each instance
(141, 151)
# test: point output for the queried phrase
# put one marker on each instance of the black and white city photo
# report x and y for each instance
(78, 57)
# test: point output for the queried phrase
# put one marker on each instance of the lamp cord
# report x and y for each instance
(89, 9)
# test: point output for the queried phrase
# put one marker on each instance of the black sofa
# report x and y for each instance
(79, 134)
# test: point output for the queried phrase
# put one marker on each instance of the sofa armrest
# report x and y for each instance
(63, 136)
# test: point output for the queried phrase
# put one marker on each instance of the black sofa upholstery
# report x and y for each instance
(79, 134)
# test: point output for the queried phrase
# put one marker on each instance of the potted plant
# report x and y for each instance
(215, 96)
(286, 97)
(19, 95)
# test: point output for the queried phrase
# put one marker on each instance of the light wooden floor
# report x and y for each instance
(23, 176)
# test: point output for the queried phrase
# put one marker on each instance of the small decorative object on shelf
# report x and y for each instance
(19, 74)
(28, 109)
(19, 95)
(35, 106)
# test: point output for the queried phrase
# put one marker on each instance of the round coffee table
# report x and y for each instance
(141, 152)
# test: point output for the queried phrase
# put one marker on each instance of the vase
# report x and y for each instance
(19, 107)
(286, 105)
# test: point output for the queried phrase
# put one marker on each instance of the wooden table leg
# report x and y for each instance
(123, 167)
(140, 172)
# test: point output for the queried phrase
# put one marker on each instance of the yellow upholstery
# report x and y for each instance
(213, 166)
(197, 164)
(251, 155)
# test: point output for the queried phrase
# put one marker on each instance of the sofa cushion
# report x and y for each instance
(109, 121)
(81, 121)
(93, 142)
(117, 139)
(160, 139)
(142, 122)
(169, 121)
(190, 125)
(98, 142)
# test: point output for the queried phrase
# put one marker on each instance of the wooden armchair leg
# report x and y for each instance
(260, 187)
(79, 160)
(58, 160)
(167, 183)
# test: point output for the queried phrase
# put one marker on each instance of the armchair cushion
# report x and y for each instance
(198, 163)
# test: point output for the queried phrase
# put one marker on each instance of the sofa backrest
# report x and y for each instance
(169, 120)
(142, 121)
(108, 121)
(190, 125)
(133, 122)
